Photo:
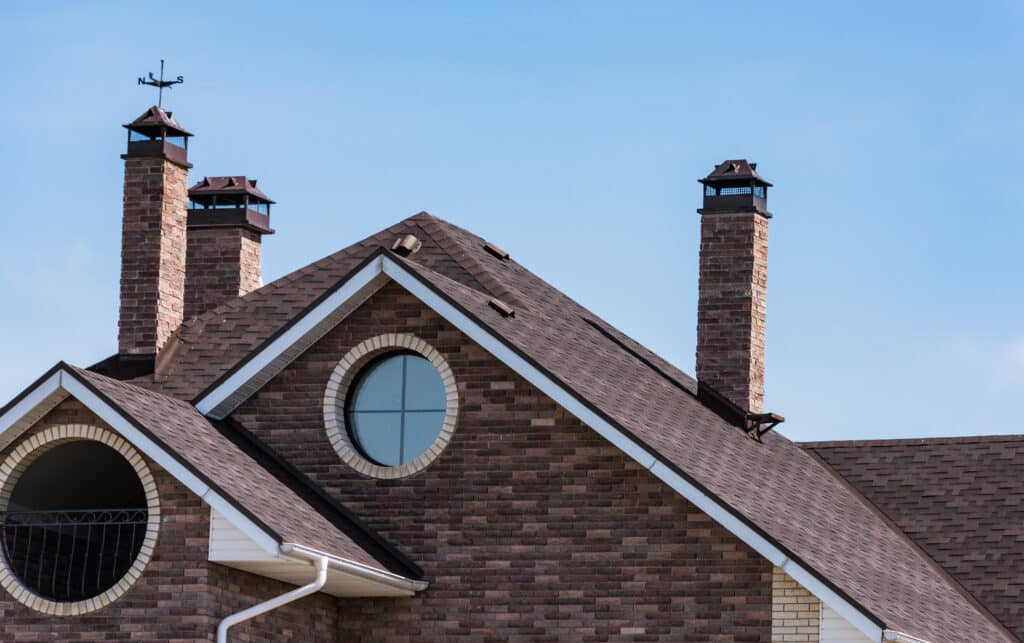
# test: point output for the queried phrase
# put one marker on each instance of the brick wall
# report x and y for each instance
(529, 526)
(796, 613)
(223, 263)
(152, 254)
(731, 308)
(313, 619)
(180, 597)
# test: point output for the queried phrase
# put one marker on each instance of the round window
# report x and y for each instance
(390, 407)
(396, 408)
(77, 520)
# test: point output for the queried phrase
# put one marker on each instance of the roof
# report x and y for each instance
(227, 185)
(959, 499)
(156, 118)
(776, 488)
(733, 170)
(209, 453)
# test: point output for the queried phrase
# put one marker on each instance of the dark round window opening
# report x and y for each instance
(395, 409)
(75, 521)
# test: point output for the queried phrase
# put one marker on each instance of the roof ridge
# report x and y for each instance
(492, 282)
(425, 219)
(927, 441)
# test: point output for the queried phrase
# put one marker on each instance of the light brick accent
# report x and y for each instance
(21, 458)
(732, 306)
(152, 254)
(341, 380)
(796, 613)
(223, 263)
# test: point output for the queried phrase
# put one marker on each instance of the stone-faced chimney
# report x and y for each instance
(153, 234)
(733, 283)
(227, 218)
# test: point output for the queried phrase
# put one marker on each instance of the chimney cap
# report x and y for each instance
(157, 121)
(226, 186)
(734, 170)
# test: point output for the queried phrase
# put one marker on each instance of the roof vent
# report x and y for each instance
(407, 245)
(496, 251)
(503, 309)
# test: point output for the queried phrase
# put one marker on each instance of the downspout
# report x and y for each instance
(274, 603)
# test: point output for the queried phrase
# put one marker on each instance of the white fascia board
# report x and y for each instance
(353, 568)
(152, 450)
(307, 323)
(29, 403)
(576, 407)
(560, 395)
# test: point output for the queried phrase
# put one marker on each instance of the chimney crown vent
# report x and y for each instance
(735, 186)
(219, 201)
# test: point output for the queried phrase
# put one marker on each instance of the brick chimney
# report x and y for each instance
(227, 218)
(153, 235)
(733, 284)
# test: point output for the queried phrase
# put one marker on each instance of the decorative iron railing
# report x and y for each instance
(71, 555)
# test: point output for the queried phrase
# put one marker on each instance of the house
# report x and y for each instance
(417, 439)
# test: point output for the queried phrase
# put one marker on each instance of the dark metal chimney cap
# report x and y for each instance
(733, 170)
(155, 121)
(226, 186)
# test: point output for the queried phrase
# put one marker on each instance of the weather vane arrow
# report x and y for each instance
(160, 83)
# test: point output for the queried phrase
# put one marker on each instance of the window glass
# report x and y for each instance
(396, 408)
(75, 521)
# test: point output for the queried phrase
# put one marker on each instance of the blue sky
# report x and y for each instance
(572, 134)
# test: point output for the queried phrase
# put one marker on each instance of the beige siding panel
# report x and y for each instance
(228, 542)
(836, 629)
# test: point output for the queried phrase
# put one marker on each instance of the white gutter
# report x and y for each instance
(900, 637)
(274, 603)
(359, 570)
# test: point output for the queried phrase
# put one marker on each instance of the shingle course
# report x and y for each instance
(204, 449)
(959, 499)
(776, 486)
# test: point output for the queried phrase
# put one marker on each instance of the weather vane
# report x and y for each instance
(161, 83)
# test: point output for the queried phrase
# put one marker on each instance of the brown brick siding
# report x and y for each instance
(223, 263)
(529, 526)
(796, 613)
(152, 254)
(313, 619)
(732, 306)
(180, 596)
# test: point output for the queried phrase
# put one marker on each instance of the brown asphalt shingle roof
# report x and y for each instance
(197, 444)
(959, 499)
(776, 487)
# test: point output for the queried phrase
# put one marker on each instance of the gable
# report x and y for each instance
(570, 356)
(525, 507)
(181, 442)
(793, 510)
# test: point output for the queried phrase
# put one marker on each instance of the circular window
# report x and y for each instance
(396, 408)
(390, 406)
(78, 519)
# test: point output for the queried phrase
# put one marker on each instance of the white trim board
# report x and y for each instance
(63, 383)
(270, 356)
